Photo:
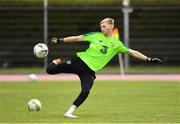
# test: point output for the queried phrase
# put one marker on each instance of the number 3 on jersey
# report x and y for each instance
(104, 49)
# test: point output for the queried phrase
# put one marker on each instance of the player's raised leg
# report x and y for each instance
(58, 66)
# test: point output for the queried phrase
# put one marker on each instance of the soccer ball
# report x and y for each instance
(32, 78)
(34, 105)
(40, 50)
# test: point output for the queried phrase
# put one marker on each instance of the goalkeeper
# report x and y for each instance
(103, 46)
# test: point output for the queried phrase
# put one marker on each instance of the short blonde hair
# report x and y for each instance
(107, 20)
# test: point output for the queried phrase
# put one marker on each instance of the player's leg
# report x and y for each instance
(55, 67)
(87, 81)
(86, 85)
(75, 65)
(59, 66)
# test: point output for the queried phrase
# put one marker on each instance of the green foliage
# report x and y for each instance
(115, 101)
(86, 2)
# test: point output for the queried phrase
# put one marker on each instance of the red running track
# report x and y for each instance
(69, 77)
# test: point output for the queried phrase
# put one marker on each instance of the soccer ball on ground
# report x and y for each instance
(34, 105)
(40, 50)
(32, 78)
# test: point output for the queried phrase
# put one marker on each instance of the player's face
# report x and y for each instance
(106, 28)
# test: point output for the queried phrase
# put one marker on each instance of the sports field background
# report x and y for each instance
(120, 101)
(154, 22)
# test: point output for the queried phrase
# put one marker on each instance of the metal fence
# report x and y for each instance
(154, 31)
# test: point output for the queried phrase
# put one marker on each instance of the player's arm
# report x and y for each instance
(140, 56)
(55, 40)
(73, 38)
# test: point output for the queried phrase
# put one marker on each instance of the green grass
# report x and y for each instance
(21, 70)
(142, 69)
(107, 69)
(115, 101)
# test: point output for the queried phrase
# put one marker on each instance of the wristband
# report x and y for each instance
(149, 59)
(60, 40)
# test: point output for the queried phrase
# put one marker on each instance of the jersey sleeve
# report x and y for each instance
(122, 48)
(89, 37)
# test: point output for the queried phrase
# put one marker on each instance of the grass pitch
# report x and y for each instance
(108, 70)
(113, 101)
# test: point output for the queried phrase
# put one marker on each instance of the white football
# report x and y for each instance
(40, 50)
(32, 78)
(34, 105)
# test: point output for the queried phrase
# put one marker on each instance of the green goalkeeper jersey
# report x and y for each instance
(101, 50)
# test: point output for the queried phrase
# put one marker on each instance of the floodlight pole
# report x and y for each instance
(126, 10)
(46, 29)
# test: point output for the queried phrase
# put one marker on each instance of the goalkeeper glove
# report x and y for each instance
(154, 60)
(55, 40)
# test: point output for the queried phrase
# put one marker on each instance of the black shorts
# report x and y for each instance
(78, 66)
